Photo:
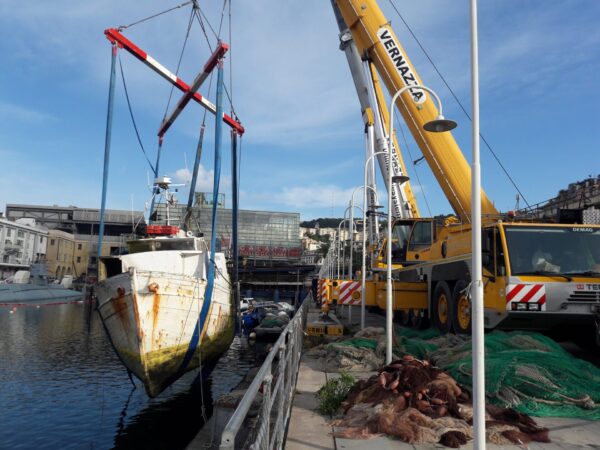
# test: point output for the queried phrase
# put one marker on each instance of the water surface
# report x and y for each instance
(62, 386)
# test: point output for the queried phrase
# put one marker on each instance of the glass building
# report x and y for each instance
(265, 238)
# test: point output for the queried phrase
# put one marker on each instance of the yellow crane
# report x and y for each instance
(536, 275)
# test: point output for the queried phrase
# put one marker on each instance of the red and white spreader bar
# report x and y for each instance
(114, 36)
(349, 293)
(526, 297)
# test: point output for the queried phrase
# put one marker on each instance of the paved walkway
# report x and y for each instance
(310, 430)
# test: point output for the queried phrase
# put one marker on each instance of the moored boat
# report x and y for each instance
(32, 286)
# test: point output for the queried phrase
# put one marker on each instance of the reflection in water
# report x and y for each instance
(62, 386)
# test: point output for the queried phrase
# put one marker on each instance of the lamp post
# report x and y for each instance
(338, 245)
(440, 124)
(364, 240)
(476, 271)
(351, 206)
(351, 240)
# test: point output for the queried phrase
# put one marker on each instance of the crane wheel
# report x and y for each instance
(461, 316)
(404, 317)
(442, 307)
(418, 319)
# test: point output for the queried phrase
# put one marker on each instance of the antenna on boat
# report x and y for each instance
(187, 170)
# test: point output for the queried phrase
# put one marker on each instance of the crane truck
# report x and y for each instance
(536, 275)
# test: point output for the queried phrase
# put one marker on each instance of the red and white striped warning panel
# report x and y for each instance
(322, 291)
(349, 293)
(526, 297)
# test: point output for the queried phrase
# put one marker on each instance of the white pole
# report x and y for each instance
(339, 245)
(351, 234)
(476, 282)
(351, 240)
(338, 252)
(363, 267)
(370, 143)
(389, 301)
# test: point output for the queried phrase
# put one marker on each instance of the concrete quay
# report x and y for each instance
(308, 429)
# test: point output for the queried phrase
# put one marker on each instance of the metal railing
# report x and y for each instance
(276, 380)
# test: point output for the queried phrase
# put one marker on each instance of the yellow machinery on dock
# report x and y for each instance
(537, 275)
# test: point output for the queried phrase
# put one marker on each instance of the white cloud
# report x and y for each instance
(292, 86)
(205, 180)
(12, 112)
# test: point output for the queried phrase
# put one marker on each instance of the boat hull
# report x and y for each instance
(151, 318)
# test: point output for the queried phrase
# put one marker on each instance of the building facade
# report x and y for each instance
(578, 203)
(22, 243)
(265, 238)
(82, 225)
(60, 255)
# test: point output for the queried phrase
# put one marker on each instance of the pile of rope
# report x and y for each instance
(419, 403)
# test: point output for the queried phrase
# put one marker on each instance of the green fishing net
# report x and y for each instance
(524, 370)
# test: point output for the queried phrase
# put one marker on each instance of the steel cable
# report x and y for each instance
(132, 117)
(487, 144)
(122, 27)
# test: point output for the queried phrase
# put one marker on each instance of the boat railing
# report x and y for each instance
(273, 387)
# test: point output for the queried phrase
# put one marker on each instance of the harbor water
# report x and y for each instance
(63, 387)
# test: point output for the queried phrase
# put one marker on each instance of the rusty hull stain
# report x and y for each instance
(140, 332)
(155, 311)
(119, 305)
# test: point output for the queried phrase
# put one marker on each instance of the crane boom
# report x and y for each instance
(375, 39)
(403, 200)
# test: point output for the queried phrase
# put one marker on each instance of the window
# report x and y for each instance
(79, 246)
(20, 233)
(565, 250)
(421, 236)
(487, 249)
(41, 239)
(79, 259)
(8, 232)
(51, 241)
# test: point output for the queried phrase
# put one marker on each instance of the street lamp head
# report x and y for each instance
(439, 125)
(400, 179)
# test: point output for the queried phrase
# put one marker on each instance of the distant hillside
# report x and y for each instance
(325, 222)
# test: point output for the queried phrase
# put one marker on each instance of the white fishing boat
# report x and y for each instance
(151, 303)
(167, 305)
(161, 315)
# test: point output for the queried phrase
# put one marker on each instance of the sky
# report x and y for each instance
(303, 150)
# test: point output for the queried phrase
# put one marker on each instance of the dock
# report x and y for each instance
(566, 434)
(261, 418)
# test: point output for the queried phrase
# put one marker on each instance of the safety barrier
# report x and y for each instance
(275, 382)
